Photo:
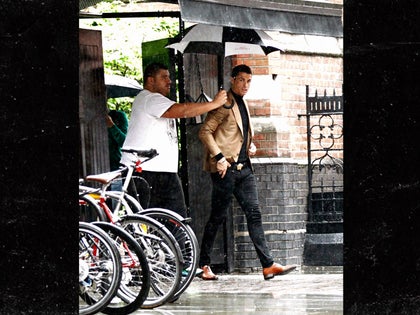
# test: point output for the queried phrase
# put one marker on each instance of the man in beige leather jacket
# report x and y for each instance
(227, 138)
(222, 132)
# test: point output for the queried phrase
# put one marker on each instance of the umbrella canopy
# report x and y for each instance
(119, 86)
(225, 41)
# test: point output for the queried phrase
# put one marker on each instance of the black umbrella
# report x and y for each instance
(120, 86)
(225, 41)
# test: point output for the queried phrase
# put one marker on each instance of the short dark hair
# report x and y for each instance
(152, 69)
(240, 68)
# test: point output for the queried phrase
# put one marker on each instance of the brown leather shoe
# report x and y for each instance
(277, 270)
(208, 274)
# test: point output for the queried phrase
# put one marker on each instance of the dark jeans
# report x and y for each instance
(243, 186)
(166, 191)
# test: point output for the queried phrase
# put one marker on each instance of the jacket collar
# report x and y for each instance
(237, 114)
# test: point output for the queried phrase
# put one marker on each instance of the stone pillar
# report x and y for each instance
(282, 189)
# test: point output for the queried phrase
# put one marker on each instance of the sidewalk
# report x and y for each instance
(312, 280)
(313, 290)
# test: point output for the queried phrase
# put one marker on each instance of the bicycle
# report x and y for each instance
(135, 281)
(176, 224)
(99, 269)
(160, 246)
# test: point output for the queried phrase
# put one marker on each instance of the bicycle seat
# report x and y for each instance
(104, 178)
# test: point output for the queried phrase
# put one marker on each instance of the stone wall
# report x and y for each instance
(282, 187)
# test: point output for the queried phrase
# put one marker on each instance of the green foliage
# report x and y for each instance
(122, 40)
(124, 67)
(121, 103)
(172, 29)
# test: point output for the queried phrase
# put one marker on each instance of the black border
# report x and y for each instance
(39, 157)
(382, 182)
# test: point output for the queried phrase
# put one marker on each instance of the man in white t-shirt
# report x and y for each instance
(153, 125)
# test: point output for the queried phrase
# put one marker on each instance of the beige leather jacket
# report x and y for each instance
(222, 132)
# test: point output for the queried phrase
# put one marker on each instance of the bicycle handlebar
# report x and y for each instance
(151, 153)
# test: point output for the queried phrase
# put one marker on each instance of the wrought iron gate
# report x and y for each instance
(324, 117)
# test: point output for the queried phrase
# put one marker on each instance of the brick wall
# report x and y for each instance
(277, 97)
(282, 188)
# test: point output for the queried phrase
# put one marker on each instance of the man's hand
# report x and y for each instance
(185, 110)
(222, 166)
(220, 98)
(252, 149)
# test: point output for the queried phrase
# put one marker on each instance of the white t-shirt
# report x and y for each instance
(147, 130)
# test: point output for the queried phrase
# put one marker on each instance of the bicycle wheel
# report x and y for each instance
(99, 269)
(135, 282)
(89, 210)
(186, 239)
(182, 232)
(162, 252)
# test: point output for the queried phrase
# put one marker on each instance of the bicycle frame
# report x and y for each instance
(112, 216)
(122, 198)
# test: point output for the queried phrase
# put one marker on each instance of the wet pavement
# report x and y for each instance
(314, 290)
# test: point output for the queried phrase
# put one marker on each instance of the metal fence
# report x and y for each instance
(324, 117)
